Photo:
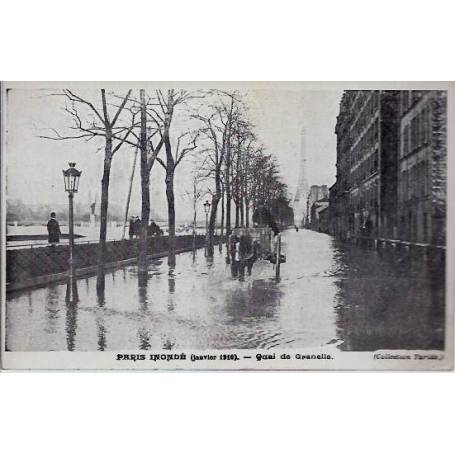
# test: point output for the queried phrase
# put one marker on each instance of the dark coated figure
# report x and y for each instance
(53, 230)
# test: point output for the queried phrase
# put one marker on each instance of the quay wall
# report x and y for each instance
(26, 265)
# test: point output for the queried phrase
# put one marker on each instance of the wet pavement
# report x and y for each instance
(329, 294)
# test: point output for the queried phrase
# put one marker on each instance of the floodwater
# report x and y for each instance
(328, 294)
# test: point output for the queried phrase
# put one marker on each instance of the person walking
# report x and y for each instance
(246, 253)
(53, 230)
(137, 227)
(234, 253)
(131, 228)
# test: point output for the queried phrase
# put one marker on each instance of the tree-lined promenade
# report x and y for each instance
(211, 128)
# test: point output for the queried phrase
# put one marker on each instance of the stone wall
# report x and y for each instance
(27, 263)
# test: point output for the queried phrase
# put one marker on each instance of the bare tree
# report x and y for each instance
(228, 111)
(89, 121)
(186, 142)
(149, 153)
(196, 193)
(214, 154)
(150, 141)
(243, 139)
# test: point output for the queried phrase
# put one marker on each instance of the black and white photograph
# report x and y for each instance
(226, 225)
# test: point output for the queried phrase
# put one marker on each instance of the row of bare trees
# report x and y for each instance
(165, 127)
(242, 175)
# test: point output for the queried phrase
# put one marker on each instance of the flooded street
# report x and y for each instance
(328, 294)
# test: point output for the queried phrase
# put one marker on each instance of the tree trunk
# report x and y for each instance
(194, 215)
(212, 223)
(100, 280)
(222, 222)
(247, 212)
(228, 209)
(228, 191)
(242, 213)
(170, 211)
(170, 170)
(238, 185)
(145, 190)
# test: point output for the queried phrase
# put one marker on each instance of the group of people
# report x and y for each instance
(54, 232)
(243, 253)
(135, 228)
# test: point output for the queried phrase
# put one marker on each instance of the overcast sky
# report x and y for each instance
(34, 165)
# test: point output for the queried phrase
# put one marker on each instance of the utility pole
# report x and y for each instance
(129, 193)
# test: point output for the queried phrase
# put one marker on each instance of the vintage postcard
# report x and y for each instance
(227, 225)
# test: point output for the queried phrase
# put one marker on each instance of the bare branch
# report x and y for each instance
(161, 162)
(73, 97)
(120, 109)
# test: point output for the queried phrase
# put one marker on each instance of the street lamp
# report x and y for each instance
(71, 179)
(206, 210)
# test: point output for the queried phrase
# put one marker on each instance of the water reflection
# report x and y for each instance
(168, 342)
(171, 260)
(171, 287)
(30, 302)
(52, 309)
(143, 332)
(71, 325)
(257, 300)
(100, 323)
(388, 302)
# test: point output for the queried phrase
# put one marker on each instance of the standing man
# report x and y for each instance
(246, 253)
(53, 230)
(131, 228)
(137, 227)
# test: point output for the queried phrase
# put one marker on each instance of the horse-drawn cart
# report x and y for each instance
(247, 245)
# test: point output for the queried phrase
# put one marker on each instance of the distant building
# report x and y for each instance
(422, 166)
(316, 193)
(324, 219)
(319, 213)
(364, 197)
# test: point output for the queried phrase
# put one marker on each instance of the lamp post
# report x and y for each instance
(71, 179)
(206, 210)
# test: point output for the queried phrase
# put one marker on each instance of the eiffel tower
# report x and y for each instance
(300, 199)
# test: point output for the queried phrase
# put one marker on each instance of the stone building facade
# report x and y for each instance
(391, 166)
(363, 200)
(319, 213)
(422, 166)
(316, 193)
